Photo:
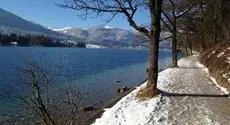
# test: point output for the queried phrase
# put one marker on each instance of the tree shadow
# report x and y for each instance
(180, 67)
(168, 94)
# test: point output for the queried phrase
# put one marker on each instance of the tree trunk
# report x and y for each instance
(202, 47)
(154, 36)
(186, 45)
(190, 47)
(215, 37)
(202, 27)
(174, 44)
(225, 7)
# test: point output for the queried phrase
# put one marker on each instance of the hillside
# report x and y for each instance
(217, 60)
(106, 36)
(11, 23)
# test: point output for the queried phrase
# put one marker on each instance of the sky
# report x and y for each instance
(48, 14)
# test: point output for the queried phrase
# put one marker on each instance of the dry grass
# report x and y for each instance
(216, 60)
(145, 94)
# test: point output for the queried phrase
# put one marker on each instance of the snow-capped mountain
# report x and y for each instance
(106, 35)
(62, 29)
(11, 23)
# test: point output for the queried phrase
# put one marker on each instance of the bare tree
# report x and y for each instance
(128, 8)
(174, 10)
(60, 107)
(225, 11)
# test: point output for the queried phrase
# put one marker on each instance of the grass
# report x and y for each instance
(145, 94)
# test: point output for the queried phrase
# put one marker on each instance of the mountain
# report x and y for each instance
(106, 36)
(11, 23)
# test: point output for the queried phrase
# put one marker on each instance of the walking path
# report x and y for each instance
(189, 97)
(194, 98)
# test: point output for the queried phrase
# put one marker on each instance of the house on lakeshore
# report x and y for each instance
(13, 43)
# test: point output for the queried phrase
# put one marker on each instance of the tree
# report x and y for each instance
(128, 8)
(225, 11)
(174, 10)
(47, 106)
(207, 20)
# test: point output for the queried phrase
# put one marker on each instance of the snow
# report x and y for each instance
(225, 75)
(221, 54)
(195, 52)
(190, 64)
(108, 27)
(156, 111)
(213, 52)
(62, 29)
(228, 60)
(224, 90)
(132, 111)
(184, 62)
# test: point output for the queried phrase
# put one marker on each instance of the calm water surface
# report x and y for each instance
(94, 70)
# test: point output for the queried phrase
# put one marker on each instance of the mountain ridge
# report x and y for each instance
(12, 23)
(106, 35)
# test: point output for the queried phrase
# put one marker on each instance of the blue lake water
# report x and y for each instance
(93, 70)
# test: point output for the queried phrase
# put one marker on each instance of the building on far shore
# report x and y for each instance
(13, 43)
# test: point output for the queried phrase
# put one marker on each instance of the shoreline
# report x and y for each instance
(97, 114)
(111, 103)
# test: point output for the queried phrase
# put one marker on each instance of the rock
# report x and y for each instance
(123, 90)
(117, 81)
(89, 108)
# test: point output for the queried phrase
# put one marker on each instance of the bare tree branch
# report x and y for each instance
(166, 25)
(169, 37)
(183, 13)
(101, 7)
(167, 16)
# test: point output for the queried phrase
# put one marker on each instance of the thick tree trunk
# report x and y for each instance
(154, 37)
(174, 44)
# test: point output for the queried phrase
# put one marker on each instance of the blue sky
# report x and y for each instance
(46, 13)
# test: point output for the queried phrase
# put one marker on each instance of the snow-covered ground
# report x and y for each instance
(193, 63)
(189, 97)
(224, 90)
(132, 111)
(190, 62)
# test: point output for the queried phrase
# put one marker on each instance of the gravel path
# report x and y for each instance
(194, 98)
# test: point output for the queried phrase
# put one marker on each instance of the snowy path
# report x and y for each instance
(194, 98)
(189, 98)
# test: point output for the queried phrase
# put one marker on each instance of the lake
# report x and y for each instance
(96, 71)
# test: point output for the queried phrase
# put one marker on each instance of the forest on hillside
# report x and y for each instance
(35, 40)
